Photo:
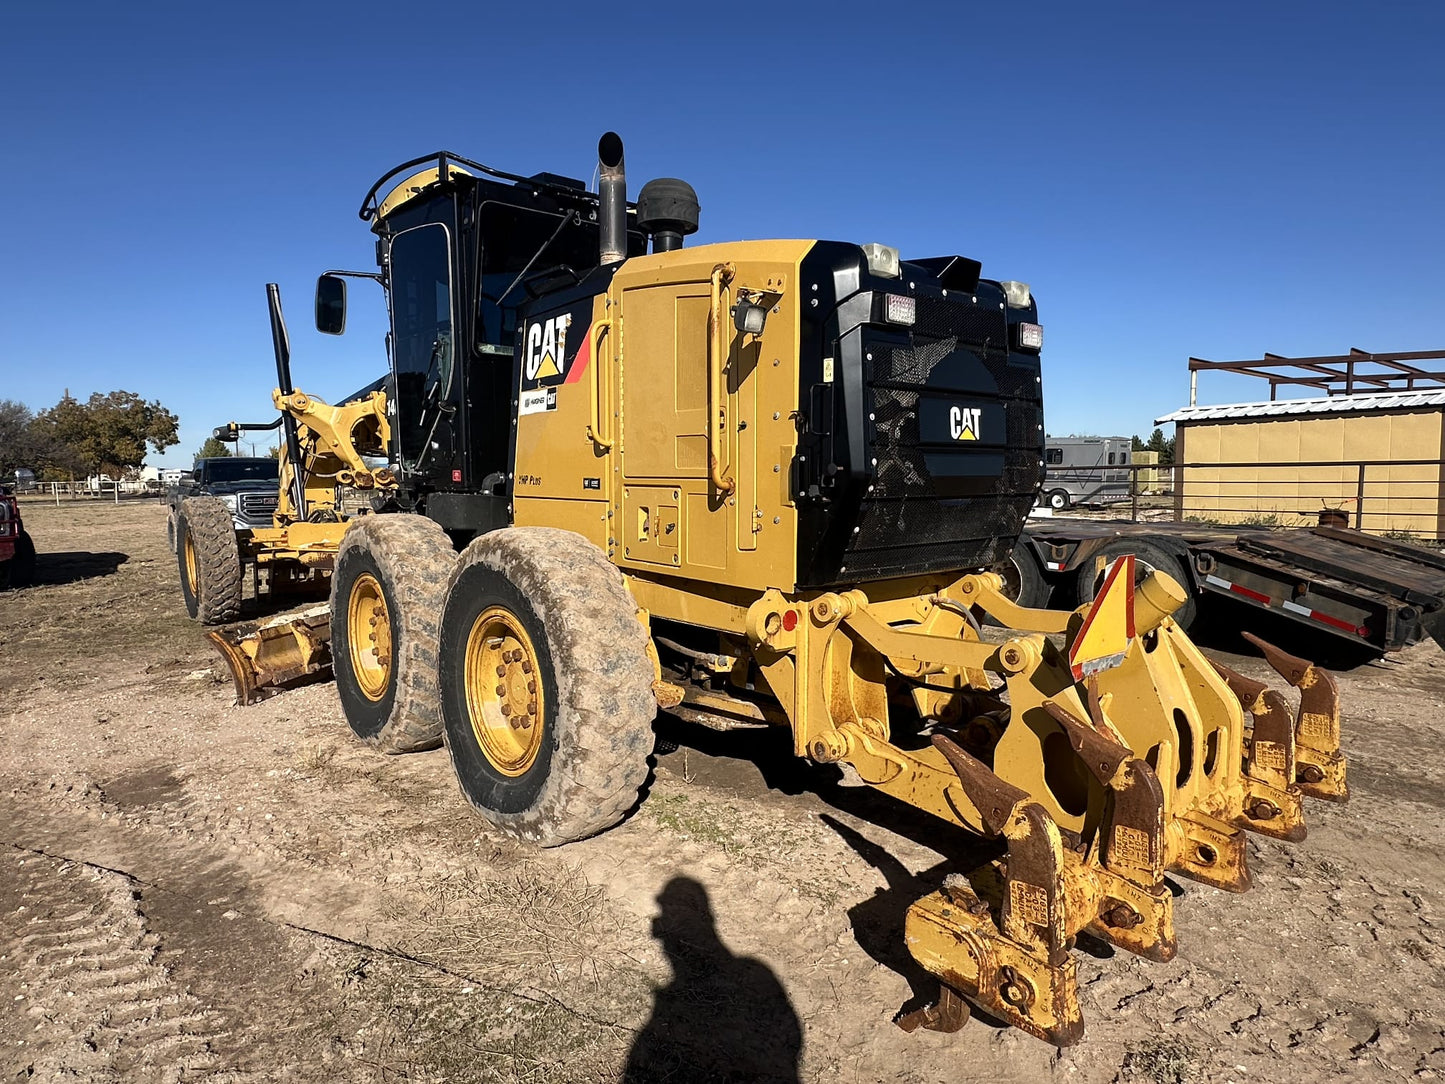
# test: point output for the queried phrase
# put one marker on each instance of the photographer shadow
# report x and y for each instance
(722, 1017)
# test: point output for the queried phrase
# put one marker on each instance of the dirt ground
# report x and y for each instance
(196, 891)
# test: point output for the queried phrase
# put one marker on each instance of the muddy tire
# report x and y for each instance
(22, 565)
(209, 560)
(1148, 556)
(391, 568)
(547, 702)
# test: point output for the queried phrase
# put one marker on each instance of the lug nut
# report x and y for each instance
(531, 686)
(1311, 773)
(501, 671)
(531, 707)
(501, 690)
(526, 666)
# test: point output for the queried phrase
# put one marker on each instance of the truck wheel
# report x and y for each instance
(547, 702)
(1023, 580)
(209, 559)
(1058, 500)
(386, 595)
(171, 529)
(22, 565)
(1148, 557)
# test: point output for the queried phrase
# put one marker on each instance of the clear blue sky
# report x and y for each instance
(1212, 179)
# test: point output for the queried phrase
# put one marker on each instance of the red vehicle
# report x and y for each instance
(17, 551)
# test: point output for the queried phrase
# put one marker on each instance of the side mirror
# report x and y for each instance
(330, 305)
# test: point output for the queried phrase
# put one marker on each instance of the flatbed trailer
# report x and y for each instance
(1369, 592)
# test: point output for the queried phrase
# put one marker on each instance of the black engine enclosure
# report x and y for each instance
(920, 447)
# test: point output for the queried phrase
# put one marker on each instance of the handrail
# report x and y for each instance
(716, 358)
(594, 428)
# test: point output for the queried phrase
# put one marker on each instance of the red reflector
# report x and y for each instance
(456, 476)
(1249, 594)
(1335, 621)
(790, 620)
(1363, 630)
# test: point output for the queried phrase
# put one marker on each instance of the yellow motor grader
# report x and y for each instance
(753, 484)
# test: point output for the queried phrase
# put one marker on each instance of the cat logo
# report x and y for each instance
(963, 422)
(547, 347)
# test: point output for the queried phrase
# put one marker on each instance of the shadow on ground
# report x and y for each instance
(55, 569)
(722, 1017)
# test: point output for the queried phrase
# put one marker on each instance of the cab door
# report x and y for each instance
(423, 351)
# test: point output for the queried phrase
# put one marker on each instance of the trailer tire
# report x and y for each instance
(547, 701)
(209, 560)
(22, 565)
(390, 569)
(1058, 500)
(1149, 556)
(1023, 579)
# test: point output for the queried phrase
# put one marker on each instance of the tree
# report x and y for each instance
(1165, 448)
(108, 434)
(213, 449)
(1135, 444)
(26, 442)
(274, 451)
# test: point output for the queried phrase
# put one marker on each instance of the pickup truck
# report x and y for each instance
(248, 486)
(17, 551)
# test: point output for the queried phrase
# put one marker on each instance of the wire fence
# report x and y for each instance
(1393, 497)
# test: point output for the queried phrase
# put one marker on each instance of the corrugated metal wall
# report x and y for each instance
(1397, 497)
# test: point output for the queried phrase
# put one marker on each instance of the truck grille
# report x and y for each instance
(947, 504)
(255, 509)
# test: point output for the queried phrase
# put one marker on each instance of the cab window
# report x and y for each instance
(421, 313)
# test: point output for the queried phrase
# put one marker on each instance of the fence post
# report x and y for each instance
(1360, 501)
(1134, 493)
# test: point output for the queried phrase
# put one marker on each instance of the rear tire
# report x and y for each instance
(1023, 579)
(22, 565)
(1148, 557)
(547, 701)
(209, 560)
(392, 568)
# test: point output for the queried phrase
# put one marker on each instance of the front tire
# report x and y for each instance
(209, 560)
(386, 596)
(22, 568)
(546, 687)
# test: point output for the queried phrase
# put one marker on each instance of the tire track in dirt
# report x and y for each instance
(97, 1003)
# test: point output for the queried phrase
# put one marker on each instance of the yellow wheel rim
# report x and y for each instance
(503, 682)
(193, 578)
(368, 636)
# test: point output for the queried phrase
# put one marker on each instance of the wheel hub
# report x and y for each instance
(368, 635)
(193, 579)
(504, 693)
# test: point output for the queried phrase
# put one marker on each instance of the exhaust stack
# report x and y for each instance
(612, 197)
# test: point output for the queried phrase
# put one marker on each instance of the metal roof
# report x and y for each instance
(1334, 404)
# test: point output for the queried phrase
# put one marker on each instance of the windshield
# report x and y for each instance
(243, 470)
(511, 237)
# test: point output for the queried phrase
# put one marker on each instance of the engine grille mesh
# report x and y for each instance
(906, 525)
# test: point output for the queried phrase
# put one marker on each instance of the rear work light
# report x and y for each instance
(900, 310)
(1029, 336)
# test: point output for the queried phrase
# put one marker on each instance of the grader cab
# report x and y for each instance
(755, 483)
